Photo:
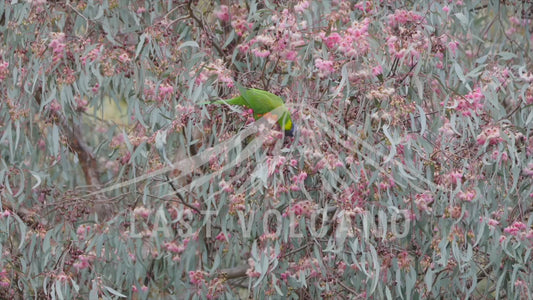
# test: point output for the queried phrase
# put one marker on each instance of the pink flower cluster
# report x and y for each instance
(223, 237)
(406, 37)
(528, 170)
(471, 102)
(404, 260)
(54, 106)
(142, 212)
(455, 177)
(93, 55)
(226, 187)
(301, 6)
(174, 248)
(302, 208)
(238, 18)
(490, 135)
(468, 195)
(277, 164)
(5, 282)
(58, 46)
(134, 288)
(198, 278)
(237, 203)
(216, 69)
(281, 40)
(6, 213)
(519, 229)
(83, 262)
(364, 6)
(160, 94)
(423, 200)
(297, 180)
(223, 13)
(325, 67)
(353, 42)
(4, 69)
(82, 232)
(402, 17)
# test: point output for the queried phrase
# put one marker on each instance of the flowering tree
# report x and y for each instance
(410, 173)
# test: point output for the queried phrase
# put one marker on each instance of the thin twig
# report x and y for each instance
(213, 41)
(81, 15)
(182, 200)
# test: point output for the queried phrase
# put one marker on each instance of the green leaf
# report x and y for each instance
(114, 292)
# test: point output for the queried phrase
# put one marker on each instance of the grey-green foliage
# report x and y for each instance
(367, 200)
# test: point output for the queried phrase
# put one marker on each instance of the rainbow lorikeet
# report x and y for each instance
(261, 103)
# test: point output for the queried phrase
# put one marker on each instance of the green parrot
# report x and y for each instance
(262, 102)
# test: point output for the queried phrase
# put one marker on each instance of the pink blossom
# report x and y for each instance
(142, 212)
(493, 223)
(453, 47)
(4, 69)
(364, 6)
(515, 228)
(491, 135)
(197, 277)
(446, 9)
(82, 231)
(495, 154)
(222, 237)
(226, 187)
(301, 7)
(404, 261)
(165, 90)
(290, 55)
(55, 106)
(124, 58)
(293, 163)
(455, 177)
(4, 282)
(447, 129)
(401, 16)
(423, 200)
(325, 67)
(296, 180)
(82, 263)
(173, 247)
(467, 196)
(529, 169)
(223, 13)
(302, 208)
(243, 48)
(377, 70)
(332, 40)
(285, 275)
(260, 52)
(241, 26)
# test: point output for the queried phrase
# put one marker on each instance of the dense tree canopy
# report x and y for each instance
(409, 175)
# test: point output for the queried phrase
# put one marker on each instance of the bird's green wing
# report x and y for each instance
(261, 101)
